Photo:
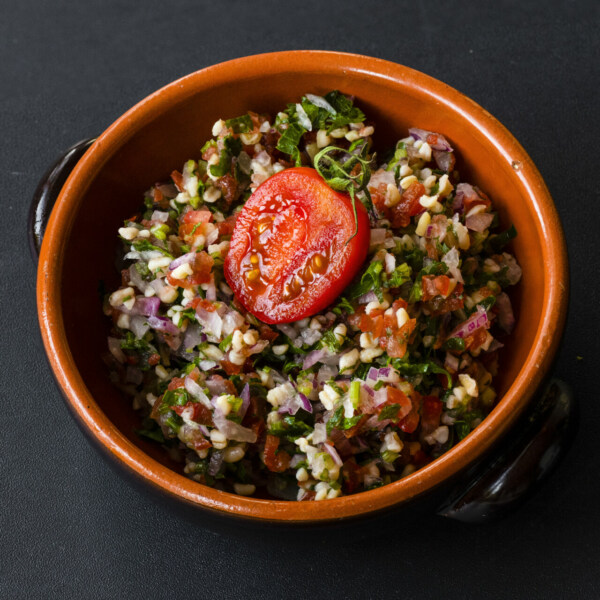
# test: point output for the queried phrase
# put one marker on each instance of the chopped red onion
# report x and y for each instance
(158, 284)
(182, 260)
(159, 216)
(495, 345)
(147, 306)
(193, 336)
(217, 385)
(258, 347)
(211, 322)
(168, 190)
(380, 396)
(231, 430)
(213, 236)
(506, 317)
(296, 460)
(139, 325)
(372, 375)
(441, 142)
(325, 373)
(303, 117)
(313, 358)
(479, 222)
(263, 158)
(444, 160)
(287, 330)
(196, 391)
(245, 396)
(333, 453)
(319, 433)
(232, 320)
(114, 345)
(136, 279)
(321, 103)
(306, 405)
(381, 176)
(163, 324)
(451, 259)
(216, 460)
(390, 263)
(451, 362)
(377, 236)
(477, 320)
(366, 298)
(211, 290)
(133, 375)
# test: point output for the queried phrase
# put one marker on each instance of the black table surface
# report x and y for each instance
(70, 527)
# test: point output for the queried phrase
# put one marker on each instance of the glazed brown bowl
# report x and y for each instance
(161, 132)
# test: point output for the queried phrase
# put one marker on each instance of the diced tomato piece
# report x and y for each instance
(201, 444)
(177, 178)
(396, 396)
(408, 206)
(395, 347)
(471, 200)
(193, 221)
(276, 461)
(200, 413)
(229, 187)
(157, 195)
(473, 341)
(230, 368)
(201, 303)
(194, 374)
(431, 411)
(410, 423)
(435, 286)
(355, 429)
(453, 302)
(350, 476)
(176, 382)
(227, 226)
(202, 265)
(196, 216)
(366, 323)
(395, 343)
(420, 458)
(378, 327)
(266, 333)
(355, 318)
(398, 304)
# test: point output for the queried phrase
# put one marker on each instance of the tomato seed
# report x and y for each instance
(253, 275)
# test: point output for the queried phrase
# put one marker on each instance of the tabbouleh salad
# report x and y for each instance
(388, 376)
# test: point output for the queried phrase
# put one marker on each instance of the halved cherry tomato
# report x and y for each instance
(290, 256)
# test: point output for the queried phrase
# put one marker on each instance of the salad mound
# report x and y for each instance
(395, 370)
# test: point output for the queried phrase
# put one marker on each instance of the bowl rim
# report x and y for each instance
(494, 426)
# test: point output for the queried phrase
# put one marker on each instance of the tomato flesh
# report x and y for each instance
(290, 256)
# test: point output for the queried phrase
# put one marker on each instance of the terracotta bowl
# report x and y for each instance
(161, 132)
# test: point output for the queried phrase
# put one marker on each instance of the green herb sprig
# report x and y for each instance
(338, 167)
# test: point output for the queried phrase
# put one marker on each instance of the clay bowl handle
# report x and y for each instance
(47, 192)
(530, 453)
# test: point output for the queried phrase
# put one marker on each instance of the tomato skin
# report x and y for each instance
(290, 254)
(276, 461)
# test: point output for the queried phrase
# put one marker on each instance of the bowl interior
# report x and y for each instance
(144, 148)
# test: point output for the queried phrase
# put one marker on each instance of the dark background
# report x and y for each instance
(70, 527)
